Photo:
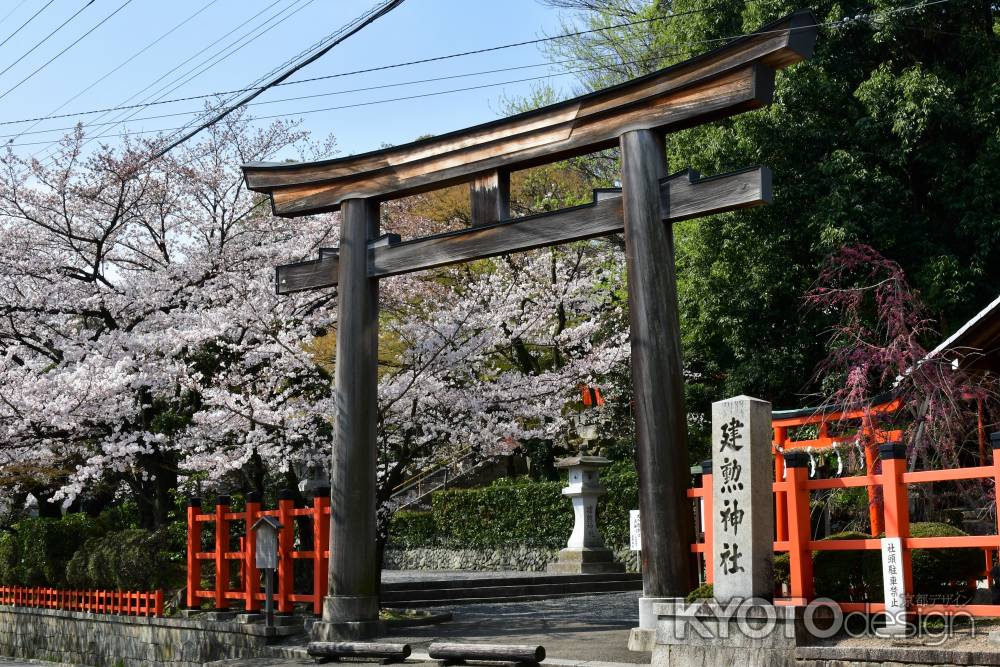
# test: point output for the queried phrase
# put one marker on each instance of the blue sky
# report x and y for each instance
(418, 29)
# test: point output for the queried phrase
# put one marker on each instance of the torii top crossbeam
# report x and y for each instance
(737, 77)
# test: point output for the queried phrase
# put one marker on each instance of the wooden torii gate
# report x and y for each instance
(635, 115)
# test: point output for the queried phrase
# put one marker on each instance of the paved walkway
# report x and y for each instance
(585, 631)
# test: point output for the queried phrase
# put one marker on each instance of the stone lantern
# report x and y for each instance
(585, 552)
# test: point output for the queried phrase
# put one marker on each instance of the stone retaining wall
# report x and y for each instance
(517, 558)
(105, 640)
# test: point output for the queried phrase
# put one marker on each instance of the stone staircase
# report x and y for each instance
(504, 589)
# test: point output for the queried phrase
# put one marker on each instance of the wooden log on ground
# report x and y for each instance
(387, 653)
(456, 654)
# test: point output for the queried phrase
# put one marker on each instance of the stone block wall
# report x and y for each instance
(517, 558)
(104, 640)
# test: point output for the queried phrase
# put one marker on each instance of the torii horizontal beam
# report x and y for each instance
(683, 195)
(737, 77)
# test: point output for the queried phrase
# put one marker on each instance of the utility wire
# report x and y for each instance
(46, 38)
(359, 24)
(871, 18)
(327, 94)
(441, 78)
(209, 58)
(71, 45)
(837, 23)
(366, 70)
(14, 9)
(119, 66)
(32, 18)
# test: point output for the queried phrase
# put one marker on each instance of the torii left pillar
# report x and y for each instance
(350, 610)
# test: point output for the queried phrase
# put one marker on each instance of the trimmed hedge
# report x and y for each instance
(131, 559)
(516, 511)
(856, 576)
(412, 529)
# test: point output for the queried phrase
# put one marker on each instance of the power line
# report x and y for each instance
(359, 24)
(14, 9)
(366, 70)
(313, 96)
(213, 55)
(121, 65)
(71, 45)
(32, 18)
(871, 18)
(46, 38)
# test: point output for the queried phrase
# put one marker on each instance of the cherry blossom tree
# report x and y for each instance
(142, 344)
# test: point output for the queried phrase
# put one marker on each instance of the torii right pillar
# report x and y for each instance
(657, 377)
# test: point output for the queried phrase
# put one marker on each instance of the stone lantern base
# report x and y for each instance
(585, 560)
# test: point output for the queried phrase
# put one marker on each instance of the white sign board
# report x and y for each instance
(893, 585)
(634, 531)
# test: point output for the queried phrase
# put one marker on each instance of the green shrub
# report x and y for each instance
(412, 529)
(8, 559)
(622, 483)
(848, 576)
(703, 592)
(131, 559)
(937, 571)
(535, 514)
(517, 511)
(853, 576)
(45, 546)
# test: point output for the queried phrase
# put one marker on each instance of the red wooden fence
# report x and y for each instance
(249, 590)
(792, 489)
(128, 603)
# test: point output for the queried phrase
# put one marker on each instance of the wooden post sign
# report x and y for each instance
(266, 531)
(635, 116)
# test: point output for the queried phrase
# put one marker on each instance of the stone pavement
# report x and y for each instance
(585, 631)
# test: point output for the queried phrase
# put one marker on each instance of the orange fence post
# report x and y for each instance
(221, 547)
(896, 501)
(286, 539)
(193, 547)
(251, 577)
(706, 485)
(800, 563)
(995, 444)
(158, 608)
(780, 497)
(321, 538)
(868, 438)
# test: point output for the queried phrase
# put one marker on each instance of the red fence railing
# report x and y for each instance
(889, 516)
(249, 590)
(128, 603)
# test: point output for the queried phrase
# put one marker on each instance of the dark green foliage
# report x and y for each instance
(622, 483)
(42, 548)
(516, 511)
(703, 592)
(530, 513)
(856, 576)
(943, 571)
(408, 529)
(8, 558)
(131, 559)
(848, 576)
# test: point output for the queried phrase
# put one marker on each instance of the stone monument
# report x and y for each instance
(740, 625)
(585, 552)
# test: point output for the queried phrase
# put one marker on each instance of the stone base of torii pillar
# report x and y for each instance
(585, 552)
